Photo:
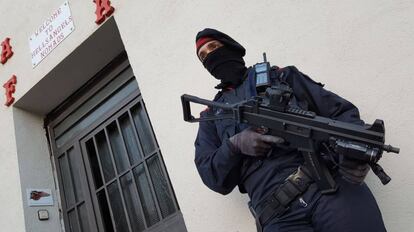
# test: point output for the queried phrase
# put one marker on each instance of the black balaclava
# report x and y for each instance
(225, 63)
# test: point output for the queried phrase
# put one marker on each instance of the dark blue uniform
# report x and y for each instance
(352, 208)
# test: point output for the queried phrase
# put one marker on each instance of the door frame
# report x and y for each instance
(60, 113)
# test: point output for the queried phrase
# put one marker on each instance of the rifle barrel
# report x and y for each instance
(389, 148)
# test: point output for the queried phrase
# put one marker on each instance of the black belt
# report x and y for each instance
(278, 202)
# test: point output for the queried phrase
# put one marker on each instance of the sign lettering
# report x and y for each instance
(103, 10)
(51, 33)
(10, 87)
(6, 51)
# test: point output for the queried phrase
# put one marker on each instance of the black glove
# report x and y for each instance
(353, 171)
(252, 143)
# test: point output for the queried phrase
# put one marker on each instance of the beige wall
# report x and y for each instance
(362, 50)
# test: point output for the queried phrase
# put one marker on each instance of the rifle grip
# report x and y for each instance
(186, 108)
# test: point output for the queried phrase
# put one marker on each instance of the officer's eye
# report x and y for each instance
(209, 47)
(202, 55)
(213, 46)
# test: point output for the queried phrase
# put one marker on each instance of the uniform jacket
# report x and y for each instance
(222, 170)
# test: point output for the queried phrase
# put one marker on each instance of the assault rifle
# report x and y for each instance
(304, 131)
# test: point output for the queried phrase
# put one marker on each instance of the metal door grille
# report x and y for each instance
(110, 169)
(128, 176)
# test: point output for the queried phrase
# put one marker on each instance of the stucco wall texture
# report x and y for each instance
(362, 50)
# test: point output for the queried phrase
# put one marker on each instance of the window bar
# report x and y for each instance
(146, 168)
(123, 142)
(87, 199)
(99, 163)
(65, 204)
(73, 189)
(130, 169)
(139, 201)
(149, 123)
(90, 179)
(61, 176)
(167, 178)
(141, 104)
(117, 178)
(104, 185)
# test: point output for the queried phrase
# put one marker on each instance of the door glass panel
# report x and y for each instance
(131, 141)
(83, 217)
(105, 156)
(67, 182)
(118, 148)
(143, 128)
(74, 167)
(73, 221)
(96, 173)
(117, 207)
(165, 198)
(145, 195)
(132, 203)
(104, 209)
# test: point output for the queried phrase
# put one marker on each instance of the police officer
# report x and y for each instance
(230, 154)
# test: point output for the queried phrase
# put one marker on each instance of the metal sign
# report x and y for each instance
(51, 33)
(39, 197)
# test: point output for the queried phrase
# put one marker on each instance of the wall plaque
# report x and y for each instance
(51, 33)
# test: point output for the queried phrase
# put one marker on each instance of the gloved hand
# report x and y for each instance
(353, 171)
(253, 142)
